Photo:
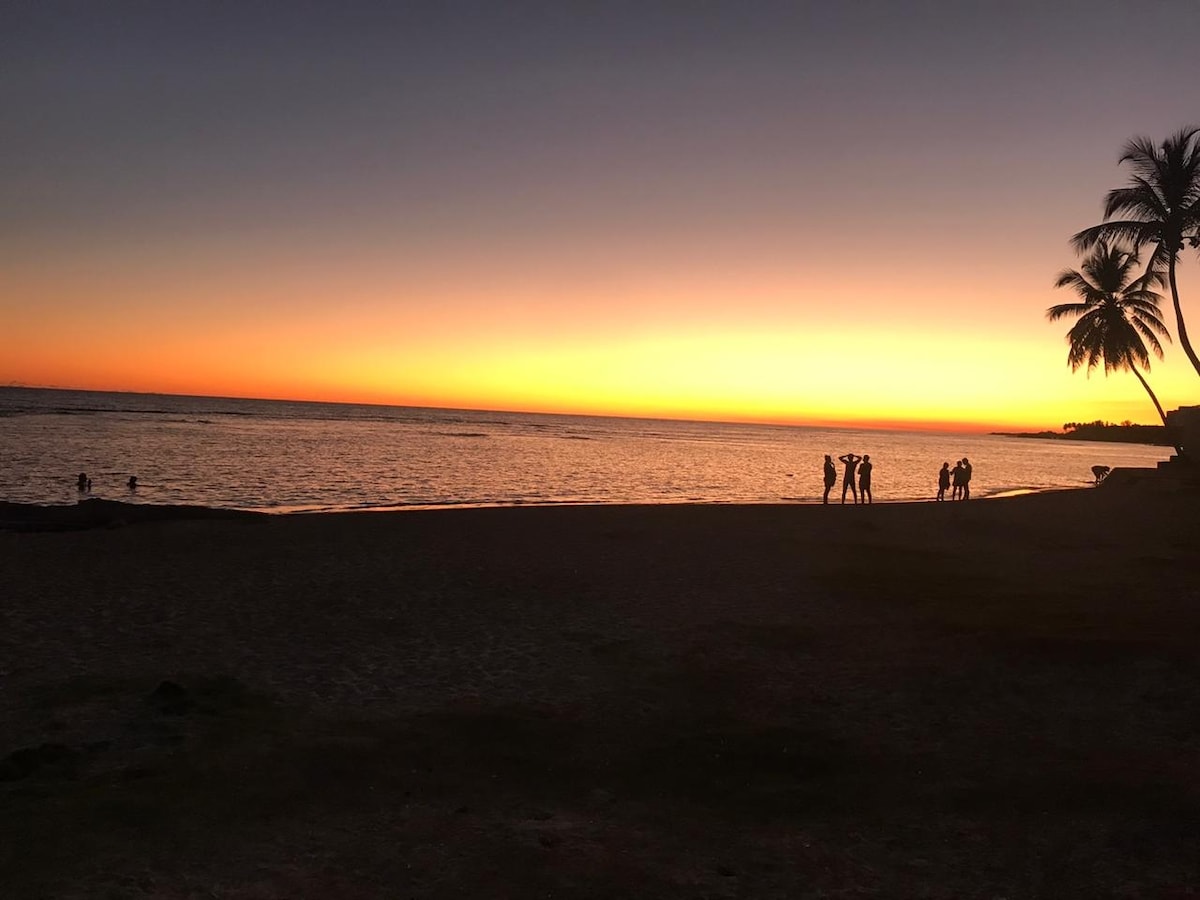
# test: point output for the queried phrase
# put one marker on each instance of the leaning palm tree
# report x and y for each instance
(1160, 207)
(1118, 316)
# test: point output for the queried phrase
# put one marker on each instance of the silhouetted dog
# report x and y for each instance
(1101, 472)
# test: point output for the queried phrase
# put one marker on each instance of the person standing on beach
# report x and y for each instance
(864, 478)
(943, 480)
(956, 477)
(830, 477)
(851, 461)
(966, 479)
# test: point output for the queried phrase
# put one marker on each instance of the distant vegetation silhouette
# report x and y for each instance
(1117, 315)
(1160, 208)
(1124, 433)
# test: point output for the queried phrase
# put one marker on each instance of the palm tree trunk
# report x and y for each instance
(1179, 326)
(1162, 415)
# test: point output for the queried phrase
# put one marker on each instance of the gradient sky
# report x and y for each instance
(801, 212)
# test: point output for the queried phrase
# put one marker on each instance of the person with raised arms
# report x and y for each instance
(851, 462)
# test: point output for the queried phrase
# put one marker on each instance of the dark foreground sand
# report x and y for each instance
(986, 699)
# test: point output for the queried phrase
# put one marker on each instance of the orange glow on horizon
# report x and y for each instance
(704, 377)
(748, 343)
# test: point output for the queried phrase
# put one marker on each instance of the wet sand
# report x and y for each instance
(981, 699)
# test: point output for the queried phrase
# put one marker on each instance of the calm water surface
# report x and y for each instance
(285, 456)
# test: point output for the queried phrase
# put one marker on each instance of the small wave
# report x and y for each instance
(469, 434)
(998, 493)
(413, 506)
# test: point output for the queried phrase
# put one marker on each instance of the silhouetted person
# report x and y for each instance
(943, 480)
(864, 478)
(851, 462)
(1098, 472)
(830, 477)
(956, 478)
(966, 479)
(82, 481)
(132, 482)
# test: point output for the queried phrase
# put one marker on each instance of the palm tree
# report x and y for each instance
(1118, 316)
(1161, 207)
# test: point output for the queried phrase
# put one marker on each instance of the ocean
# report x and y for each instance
(285, 456)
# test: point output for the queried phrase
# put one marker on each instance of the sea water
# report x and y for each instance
(297, 456)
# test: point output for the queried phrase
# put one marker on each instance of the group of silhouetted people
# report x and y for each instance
(860, 465)
(958, 480)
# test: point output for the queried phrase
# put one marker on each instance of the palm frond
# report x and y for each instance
(1151, 339)
(1153, 323)
(1179, 150)
(1062, 310)
(1155, 276)
(1069, 277)
(1156, 265)
(1125, 231)
(1142, 303)
(1139, 151)
(1184, 135)
(1151, 320)
(1127, 354)
(1143, 201)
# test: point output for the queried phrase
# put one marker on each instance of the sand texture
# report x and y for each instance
(988, 699)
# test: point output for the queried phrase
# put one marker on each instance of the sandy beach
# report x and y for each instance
(985, 699)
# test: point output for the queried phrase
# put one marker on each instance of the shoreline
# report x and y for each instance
(95, 512)
(98, 513)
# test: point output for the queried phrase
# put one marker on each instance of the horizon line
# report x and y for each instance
(849, 424)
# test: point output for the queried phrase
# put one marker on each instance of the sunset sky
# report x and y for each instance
(787, 212)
